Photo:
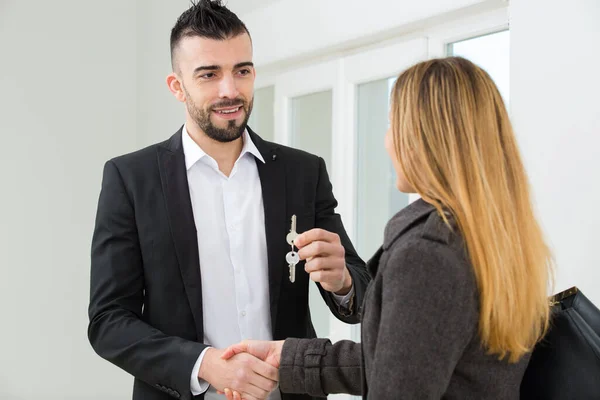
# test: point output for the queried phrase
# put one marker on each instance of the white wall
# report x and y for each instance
(159, 114)
(556, 113)
(67, 104)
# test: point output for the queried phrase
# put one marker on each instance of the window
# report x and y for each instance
(261, 118)
(492, 53)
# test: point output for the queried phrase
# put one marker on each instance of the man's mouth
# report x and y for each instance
(226, 111)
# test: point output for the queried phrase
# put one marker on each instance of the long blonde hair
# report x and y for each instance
(456, 147)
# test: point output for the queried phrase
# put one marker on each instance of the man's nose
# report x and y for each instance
(228, 88)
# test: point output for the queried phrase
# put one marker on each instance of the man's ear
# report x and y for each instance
(176, 87)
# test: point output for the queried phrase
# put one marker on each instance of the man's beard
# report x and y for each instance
(223, 135)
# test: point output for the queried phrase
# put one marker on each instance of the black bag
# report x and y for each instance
(565, 364)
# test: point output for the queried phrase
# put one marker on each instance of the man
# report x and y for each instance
(189, 248)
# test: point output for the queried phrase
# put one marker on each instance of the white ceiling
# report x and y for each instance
(242, 7)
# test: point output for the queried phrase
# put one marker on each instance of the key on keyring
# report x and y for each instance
(292, 257)
(292, 235)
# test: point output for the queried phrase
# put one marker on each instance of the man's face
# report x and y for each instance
(217, 79)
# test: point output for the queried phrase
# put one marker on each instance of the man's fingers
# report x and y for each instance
(326, 276)
(317, 264)
(233, 395)
(317, 276)
(315, 234)
(237, 396)
(228, 393)
(320, 249)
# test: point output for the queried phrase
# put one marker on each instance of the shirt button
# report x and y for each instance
(243, 313)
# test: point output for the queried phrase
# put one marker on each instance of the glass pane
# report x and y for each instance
(262, 116)
(311, 124)
(311, 131)
(492, 53)
(378, 199)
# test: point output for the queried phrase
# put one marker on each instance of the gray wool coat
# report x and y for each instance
(419, 326)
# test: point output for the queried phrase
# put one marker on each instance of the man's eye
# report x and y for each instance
(207, 76)
(244, 72)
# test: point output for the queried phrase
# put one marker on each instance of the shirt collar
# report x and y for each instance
(193, 152)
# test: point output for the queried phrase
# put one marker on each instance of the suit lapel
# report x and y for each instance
(179, 209)
(272, 180)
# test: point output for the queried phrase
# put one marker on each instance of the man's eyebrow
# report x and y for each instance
(206, 68)
(216, 67)
(244, 64)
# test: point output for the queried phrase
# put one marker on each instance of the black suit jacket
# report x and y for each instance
(145, 299)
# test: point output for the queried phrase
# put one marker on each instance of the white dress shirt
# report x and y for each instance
(230, 224)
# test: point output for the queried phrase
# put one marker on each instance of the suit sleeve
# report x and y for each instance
(116, 329)
(329, 220)
(318, 368)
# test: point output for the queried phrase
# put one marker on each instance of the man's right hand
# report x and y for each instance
(243, 373)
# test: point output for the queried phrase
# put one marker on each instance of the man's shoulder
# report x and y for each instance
(141, 165)
(141, 156)
(293, 154)
(300, 154)
(289, 153)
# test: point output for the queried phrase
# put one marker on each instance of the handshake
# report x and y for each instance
(245, 371)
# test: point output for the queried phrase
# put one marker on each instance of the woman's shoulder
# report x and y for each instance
(420, 244)
(421, 223)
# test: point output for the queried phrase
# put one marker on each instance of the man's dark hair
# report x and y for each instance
(207, 19)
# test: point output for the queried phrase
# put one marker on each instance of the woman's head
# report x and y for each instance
(452, 142)
(447, 117)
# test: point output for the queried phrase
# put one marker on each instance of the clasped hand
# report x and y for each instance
(269, 352)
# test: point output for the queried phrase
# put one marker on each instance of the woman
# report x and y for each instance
(459, 291)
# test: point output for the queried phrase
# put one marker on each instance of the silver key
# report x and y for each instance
(293, 234)
(292, 259)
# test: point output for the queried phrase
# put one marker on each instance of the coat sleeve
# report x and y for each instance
(318, 368)
(116, 330)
